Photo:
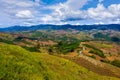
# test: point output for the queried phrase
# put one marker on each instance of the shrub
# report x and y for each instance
(31, 49)
(93, 57)
(116, 63)
(115, 39)
(97, 52)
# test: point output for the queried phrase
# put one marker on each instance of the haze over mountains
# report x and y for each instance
(61, 27)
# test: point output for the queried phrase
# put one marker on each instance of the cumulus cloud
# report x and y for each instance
(25, 14)
(30, 12)
(67, 10)
(100, 12)
(75, 4)
(115, 10)
(16, 12)
(71, 11)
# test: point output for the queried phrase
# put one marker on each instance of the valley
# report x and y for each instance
(96, 50)
(59, 39)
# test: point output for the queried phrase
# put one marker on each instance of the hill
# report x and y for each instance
(17, 63)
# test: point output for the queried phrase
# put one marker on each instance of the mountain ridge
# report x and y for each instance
(61, 27)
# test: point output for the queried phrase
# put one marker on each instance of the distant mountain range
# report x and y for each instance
(61, 27)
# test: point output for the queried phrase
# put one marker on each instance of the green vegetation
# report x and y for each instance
(92, 47)
(30, 63)
(99, 53)
(36, 34)
(95, 51)
(65, 48)
(6, 41)
(115, 39)
(101, 36)
(116, 63)
(31, 49)
(17, 63)
(93, 57)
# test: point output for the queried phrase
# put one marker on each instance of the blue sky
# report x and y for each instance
(77, 12)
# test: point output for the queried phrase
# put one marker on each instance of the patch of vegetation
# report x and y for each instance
(99, 53)
(115, 39)
(31, 49)
(95, 51)
(6, 41)
(92, 47)
(105, 61)
(63, 47)
(116, 63)
(93, 57)
(101, 36)
(36, 34)
(50, 50)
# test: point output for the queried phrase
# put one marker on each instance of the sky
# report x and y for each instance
(59, 12)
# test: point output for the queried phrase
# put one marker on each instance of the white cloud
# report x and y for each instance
(16, 12)
(72, 9)
(69, 9)
(25, 14)
(100, 12)
(75, 4)
(20, 12)
(115, 10)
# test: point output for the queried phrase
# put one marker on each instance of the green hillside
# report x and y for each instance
(18, 64)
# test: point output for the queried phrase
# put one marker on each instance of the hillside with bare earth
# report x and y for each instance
(20, 64)
(95, 66)
(94, 62)
(89, 49)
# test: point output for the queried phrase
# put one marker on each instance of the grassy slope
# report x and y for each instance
(19, 64)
